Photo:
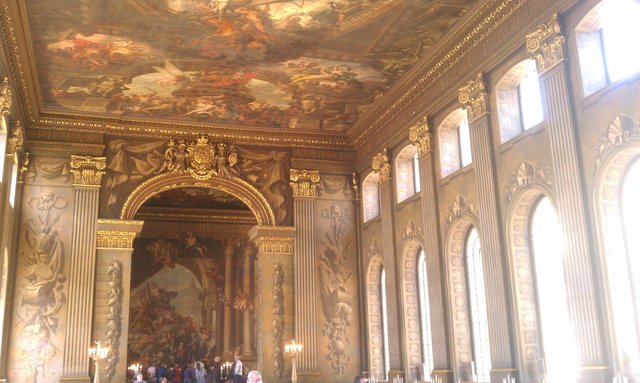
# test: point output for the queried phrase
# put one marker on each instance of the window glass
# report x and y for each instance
(385, 322)
(465, 143)
(530, 99)
(425, 320)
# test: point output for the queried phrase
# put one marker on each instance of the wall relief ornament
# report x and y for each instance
(16, 139)
(25, 163)
(304, 182)
(528, 175)
(336, 186)
(6, 97)
(41, 284)
(546, 44)
(462, 205)
(619, 132)
(420, 135)
(380, 163)
(411, 231)
(474, 97)
(375, 249)
(114, 318)
(201, 158)
(278, 319)
(87, 170)
(336, 301)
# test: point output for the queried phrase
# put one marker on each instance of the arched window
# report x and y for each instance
(478, 309)
(385, 323)
(557, 336)
(376, 317)
(519, 100)
(604, 52)
(454, 142)
(370, 196)
(407, 173)
(425, 320)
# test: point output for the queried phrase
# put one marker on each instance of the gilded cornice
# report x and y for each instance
(115, 239)
(16, 139)
(176, 215)
(546, 44)
(474, 97)
(87, 170)
(6, 97)
(380, 163)
(304, 182)
(420, 135)
(110, 221)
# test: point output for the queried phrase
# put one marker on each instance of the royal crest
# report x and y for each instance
(201, 155)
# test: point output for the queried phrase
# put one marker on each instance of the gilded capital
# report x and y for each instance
(87, 170)
(275, 245)
(474, 97)
(304, 182)
(546, 44)
(420, 135)
(16, 139)
(6, 97)
(115, 239)
(380, 163)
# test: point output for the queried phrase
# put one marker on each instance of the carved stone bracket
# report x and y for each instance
(112, 239)
(87, 170)
(547, 45)
(380, 163)
(6, 97)
(16, 139)
(474, 97)
(420, 135)
(304, 182)
(201, 158)
(461, 206)
(528, 175)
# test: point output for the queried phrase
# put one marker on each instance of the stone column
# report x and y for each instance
(274, 298)
(227, 337)
(420, 135)
(303, 183)
(380, 164)
(247, 328)
(474, 97)
(87, 174)
(547, 46)
(114, 247)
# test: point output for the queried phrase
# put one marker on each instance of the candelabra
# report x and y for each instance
(293, 349)
(136, 368)
(97, 353)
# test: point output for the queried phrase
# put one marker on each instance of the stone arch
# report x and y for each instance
(457, 284)
(519, 213)
(374, 312)
(237, 187)
(412, 243)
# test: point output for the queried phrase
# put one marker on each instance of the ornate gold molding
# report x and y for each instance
(277, 245)
(15, 141)
(420, 135)
(547, 45)
(304, 182)
(115, 239)
(24, 166)
(201, 158)
(87, 170)
(6, 97)
(474, 97)
(380, 163)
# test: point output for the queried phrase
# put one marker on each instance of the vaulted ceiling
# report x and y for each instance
(302, 64)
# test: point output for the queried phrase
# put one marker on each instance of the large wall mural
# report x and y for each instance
(178, 297)
(269, 63)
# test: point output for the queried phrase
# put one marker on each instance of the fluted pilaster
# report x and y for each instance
(547, 46)
(87, 174)
(474, 97)
(303, 183)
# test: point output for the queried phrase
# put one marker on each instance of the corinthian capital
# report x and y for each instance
(87, 170)
(380, 163)
(6, 97)
(304, 182)
(474, 97)
(546, 44)
(420, 136)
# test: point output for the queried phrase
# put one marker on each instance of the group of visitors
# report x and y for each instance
(199, 372)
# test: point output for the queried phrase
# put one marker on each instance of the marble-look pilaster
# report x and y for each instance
(274, 298)
(87, 174)
(227, 322)
(114, 248)
(303, 184)
(548, 48)
(474, 97)
(247, 326)
(380, 164)
(420, 135)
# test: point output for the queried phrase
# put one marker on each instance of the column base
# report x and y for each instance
(75, 379)
(309, 377)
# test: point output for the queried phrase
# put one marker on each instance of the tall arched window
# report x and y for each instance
(407, 173)
(603, 47)
(385, 323)
(557, 337)
(370, 196)
(454, 142)
(425, 320)
(478, 308)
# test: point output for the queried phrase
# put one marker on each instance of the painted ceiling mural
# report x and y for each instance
(313, 64)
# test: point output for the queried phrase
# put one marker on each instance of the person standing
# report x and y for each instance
(200, 372)
(216, 370)
(237, 370)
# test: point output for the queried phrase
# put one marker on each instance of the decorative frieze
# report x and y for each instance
(112, 239)
(304, 182)
(278, 319)
(528, 175)
(278, 245)
(6, 97)
(474, 97)
(380, 163)
(420, 135)
(547, 45)
(16, 139)
(87, 170)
